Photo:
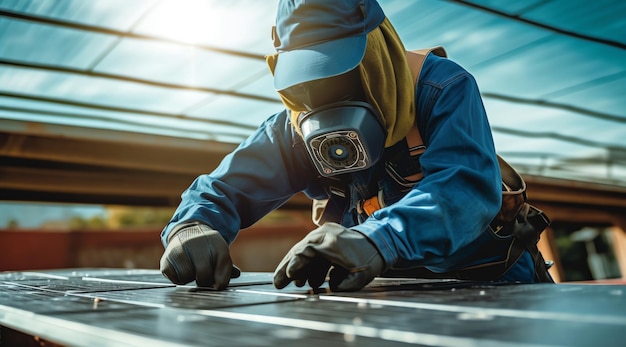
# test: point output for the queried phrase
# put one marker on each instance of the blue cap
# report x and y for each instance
(321, 38)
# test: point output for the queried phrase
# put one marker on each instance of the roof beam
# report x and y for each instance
(120, 33)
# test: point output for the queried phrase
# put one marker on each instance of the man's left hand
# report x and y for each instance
(355, 261)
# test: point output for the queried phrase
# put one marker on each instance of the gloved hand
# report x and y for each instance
(353, 258)
(200, 253)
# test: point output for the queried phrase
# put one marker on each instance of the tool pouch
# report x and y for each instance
(522, 221)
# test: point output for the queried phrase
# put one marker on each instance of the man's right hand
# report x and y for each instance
(197, 252)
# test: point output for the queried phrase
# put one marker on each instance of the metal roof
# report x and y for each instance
(192, 74)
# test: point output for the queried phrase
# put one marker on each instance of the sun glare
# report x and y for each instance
(214, 23)
(186, 21)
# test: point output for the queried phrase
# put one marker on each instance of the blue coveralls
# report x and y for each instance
(440, 223)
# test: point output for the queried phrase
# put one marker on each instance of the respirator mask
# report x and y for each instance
(342, 133)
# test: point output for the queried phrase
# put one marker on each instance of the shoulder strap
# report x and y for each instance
(416, 61)
(513, 186)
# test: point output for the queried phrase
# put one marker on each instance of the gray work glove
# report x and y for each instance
(197, 252)
(353, 258)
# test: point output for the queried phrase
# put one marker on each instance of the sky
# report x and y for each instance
(32, 215)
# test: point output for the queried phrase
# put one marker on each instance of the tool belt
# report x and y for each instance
(515, 229)
(526, 228)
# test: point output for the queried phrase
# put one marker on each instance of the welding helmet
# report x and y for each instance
(343, 137)
(342, 133)
(319, 45)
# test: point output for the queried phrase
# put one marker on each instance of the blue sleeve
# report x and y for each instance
(261, 174)
(461, 189)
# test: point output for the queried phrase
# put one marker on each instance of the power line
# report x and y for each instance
(553, 135)
(550, 104)
(152, 125)
(108, 31)
(122, 109)
(69, 70)
(553, 28)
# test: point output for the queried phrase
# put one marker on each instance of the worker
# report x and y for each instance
(403, 174)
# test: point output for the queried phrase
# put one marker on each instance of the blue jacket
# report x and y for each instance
(439, 223)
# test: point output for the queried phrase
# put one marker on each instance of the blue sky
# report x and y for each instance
(32, 215)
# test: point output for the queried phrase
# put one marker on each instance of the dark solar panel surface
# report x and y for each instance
(122, 308)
